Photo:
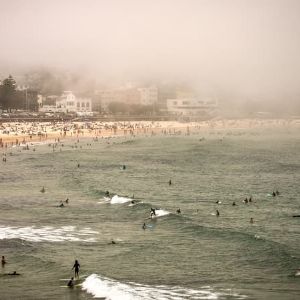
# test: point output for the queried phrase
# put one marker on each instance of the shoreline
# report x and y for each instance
(26, 132)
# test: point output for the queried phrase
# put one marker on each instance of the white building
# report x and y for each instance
(191, 107)
(67, 102)
(148, 95)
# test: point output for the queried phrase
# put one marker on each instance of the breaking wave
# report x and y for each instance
(102, 287)
(48, 234)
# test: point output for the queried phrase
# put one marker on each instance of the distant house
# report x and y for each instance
(148, 95)
(67, 102)
(191, 107)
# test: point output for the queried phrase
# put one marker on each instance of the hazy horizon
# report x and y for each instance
(244, 48)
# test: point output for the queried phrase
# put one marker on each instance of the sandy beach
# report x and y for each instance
(14, 133)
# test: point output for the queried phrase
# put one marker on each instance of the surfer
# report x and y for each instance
(107, 193)
(273, 194)
(217, 213)
(170, 182)
(246, 200)
(251, 221)
(3, 261)
(178, 211)
(71, 282)
(277, 192)
(152, 212)
(67, 200)
(124, 167)
(13, 273)
(144, 226)
(233, 203)
(43, 190)
(76, 268)
(61, 205)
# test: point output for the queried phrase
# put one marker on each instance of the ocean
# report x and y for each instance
(194, 254)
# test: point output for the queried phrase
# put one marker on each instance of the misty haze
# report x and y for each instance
(149, 149)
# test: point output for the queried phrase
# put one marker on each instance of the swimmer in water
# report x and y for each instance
(3, 261)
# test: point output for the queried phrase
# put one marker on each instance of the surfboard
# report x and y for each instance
(70, 287)
(75, 279)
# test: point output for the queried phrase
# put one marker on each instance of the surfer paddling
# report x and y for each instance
(71, 283)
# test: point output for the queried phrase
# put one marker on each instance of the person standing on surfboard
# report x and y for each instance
(76, 268)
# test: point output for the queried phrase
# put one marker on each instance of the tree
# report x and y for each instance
(118, 107)
(8, 93)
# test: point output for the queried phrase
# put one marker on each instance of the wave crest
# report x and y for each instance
(102, 287)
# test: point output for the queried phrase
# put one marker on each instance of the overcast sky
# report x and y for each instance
(250, 46)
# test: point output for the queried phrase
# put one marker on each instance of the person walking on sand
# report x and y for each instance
(76, 268)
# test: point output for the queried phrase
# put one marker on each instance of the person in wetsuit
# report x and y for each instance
(152, 212)
(71, 282)
(13, 273)
(3, 261)
(76, 268)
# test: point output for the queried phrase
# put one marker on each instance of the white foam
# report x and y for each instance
(160, 213)
(119, 200)
(102, 287)
(48, 233)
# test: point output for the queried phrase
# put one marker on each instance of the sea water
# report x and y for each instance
(189, 255)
